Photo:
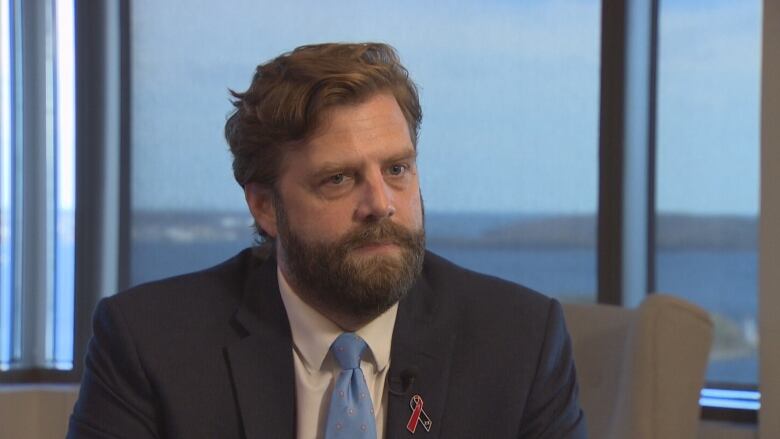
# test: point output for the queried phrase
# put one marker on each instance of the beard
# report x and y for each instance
(330, 276)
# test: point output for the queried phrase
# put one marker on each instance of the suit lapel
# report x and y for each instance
(261, 362)
(422, 341)
(262, 369)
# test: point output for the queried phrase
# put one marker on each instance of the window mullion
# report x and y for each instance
(34, 192)
(101, 188)
(626, 151)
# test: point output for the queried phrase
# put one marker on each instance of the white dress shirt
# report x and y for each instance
(316, 370)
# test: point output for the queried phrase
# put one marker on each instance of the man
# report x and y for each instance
(340, 324)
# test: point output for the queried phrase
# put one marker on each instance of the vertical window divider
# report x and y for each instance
(101, 188)
(627, 151)
(34, 215)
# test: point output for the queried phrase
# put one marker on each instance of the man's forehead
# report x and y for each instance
(322, 154)
(378, 111)
(375, 127)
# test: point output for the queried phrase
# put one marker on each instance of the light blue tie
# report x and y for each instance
(351, 413)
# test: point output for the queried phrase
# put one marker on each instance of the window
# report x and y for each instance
(36, 184)
(708, 172)
(64, 183)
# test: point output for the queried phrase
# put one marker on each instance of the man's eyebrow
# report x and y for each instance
(334, 167)
(410, 154)
(331, 167)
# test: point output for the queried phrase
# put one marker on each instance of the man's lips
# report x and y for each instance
(376, 245)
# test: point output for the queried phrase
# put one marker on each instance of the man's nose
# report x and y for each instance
(376, 199)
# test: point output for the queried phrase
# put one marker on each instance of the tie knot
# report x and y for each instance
(347, 349)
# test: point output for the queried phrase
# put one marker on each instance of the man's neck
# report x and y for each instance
(348, 323)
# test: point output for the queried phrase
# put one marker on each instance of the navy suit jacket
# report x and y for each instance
(209, 355)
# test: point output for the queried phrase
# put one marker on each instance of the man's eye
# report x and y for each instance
(398, 169)
(336, 179)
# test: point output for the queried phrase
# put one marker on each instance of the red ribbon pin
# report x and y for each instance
(418, 415)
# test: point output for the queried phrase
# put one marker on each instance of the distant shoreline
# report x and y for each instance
(674, 231)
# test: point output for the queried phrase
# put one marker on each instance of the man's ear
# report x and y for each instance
(260, 200)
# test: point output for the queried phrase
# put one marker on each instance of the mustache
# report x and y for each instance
(384, 232)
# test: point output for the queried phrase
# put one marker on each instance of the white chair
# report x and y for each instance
(641, 370)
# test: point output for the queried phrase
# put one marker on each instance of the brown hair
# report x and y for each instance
(288, 96)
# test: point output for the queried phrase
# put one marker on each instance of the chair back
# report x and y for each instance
(641, 370)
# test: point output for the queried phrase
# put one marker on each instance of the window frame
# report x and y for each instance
(769, 277)
(102, 185)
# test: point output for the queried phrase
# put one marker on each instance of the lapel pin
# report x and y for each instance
(418, 415)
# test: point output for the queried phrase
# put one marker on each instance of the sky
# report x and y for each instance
(509, 93)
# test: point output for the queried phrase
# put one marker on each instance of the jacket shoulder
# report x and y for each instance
(226, 273)
(207, 293)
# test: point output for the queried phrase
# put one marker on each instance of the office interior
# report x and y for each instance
(644, 350)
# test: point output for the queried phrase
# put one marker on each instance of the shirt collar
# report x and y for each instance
(313, 333)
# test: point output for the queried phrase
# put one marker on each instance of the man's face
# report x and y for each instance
(347, 211)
